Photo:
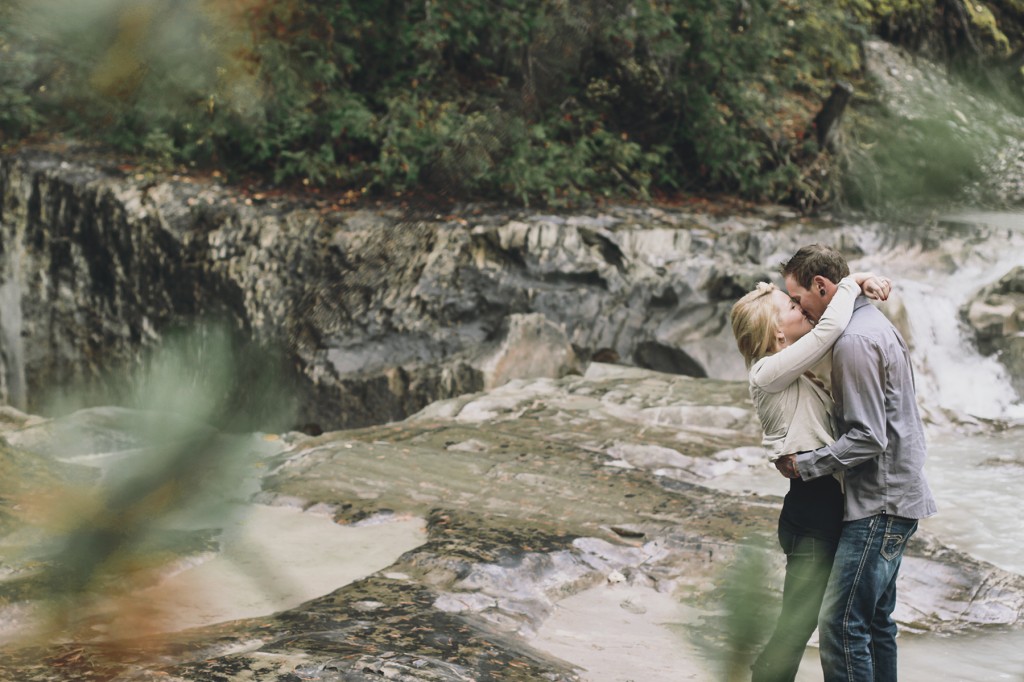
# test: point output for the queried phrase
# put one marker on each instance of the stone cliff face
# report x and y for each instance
(532, 490)
(368, 317)
(97, 268)
(376, 315)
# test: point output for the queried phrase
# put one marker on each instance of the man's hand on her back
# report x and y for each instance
(787, 466)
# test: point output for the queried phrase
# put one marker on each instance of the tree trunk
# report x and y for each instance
(827, 120)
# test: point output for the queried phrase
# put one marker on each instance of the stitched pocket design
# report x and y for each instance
(892, 545)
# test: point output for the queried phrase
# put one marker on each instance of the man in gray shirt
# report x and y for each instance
(880, 447)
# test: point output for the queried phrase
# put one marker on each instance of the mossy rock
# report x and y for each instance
(987, 26)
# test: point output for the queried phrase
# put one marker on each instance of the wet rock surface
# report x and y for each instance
(532, 492)
(996, 315)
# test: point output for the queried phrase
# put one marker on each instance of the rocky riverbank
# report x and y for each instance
(366, 316)
(530, 493)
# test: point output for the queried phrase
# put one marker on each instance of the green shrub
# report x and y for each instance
(513, 100)
(18, 113)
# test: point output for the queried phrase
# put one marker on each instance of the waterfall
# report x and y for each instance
(11, 344)
(976, 476)
(933, 283)
(953, 378)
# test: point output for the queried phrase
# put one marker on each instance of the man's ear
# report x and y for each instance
(821, 285)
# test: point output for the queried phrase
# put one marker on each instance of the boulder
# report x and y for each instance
(996, 316)
(532, 347)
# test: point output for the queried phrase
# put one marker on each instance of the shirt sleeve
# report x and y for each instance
(777, 371)
(858, 372)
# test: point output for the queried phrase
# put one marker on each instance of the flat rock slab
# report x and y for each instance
(531, 493)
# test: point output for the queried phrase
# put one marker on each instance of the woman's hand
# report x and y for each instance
(873, 286)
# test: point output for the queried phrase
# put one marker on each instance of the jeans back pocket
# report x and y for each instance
(894, 541)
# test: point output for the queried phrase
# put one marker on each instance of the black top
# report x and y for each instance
(813, 508)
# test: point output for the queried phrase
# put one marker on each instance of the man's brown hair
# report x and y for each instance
(816, 259)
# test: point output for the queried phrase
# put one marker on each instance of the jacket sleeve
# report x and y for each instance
(777, 371)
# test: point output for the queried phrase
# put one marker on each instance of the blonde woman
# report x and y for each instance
(780, 346)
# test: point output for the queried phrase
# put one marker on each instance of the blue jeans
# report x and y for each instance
(856, 631)
(808, 562)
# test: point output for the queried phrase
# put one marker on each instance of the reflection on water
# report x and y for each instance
(977, 481)
(275, 558)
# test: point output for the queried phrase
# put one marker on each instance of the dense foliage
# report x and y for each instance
(527, 101)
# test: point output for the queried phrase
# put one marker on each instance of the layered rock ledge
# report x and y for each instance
(369, 317)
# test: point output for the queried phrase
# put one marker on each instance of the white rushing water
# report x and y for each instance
(932, 286)
(953, 377)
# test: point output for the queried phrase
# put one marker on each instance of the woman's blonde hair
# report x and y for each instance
(755, 322)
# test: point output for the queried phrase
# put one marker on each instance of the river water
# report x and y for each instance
(975, 430)
(976, 475)
(976, 478)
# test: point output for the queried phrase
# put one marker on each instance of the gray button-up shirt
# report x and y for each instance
(880, 443)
